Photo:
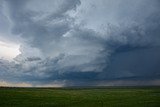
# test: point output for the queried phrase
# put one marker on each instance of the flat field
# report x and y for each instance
(81, 97)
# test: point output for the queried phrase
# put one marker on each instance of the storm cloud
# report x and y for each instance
(81, 42)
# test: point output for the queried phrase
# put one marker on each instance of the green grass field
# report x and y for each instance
(80, 97)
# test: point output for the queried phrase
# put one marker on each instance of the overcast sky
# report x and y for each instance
(79, 42)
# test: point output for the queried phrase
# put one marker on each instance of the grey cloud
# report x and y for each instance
(46, 30)
(33, 59)
(85, 42)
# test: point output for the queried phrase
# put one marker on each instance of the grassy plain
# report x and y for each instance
(81, 97)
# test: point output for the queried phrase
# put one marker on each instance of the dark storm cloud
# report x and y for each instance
(38, 26)
(84, 42)
(33, 59)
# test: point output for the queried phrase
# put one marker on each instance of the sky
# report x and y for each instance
(58, 43)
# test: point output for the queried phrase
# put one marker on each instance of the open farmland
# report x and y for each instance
(80, 97)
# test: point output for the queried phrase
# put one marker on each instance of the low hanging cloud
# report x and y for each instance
(81, 42)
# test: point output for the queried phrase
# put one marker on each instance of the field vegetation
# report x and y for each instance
(81, 97)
